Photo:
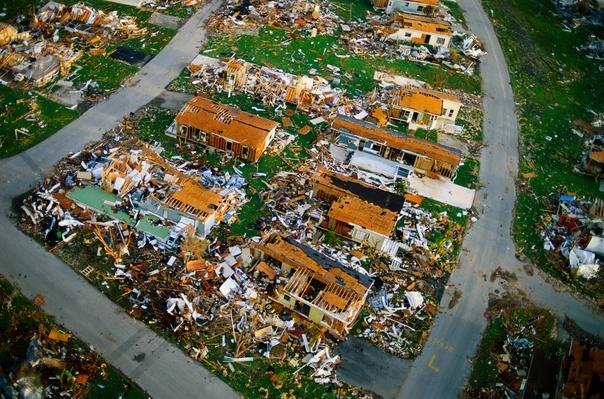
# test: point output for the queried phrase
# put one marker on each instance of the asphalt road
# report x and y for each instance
(155, 365)
(443, 367)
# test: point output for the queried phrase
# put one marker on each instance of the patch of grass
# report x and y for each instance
(484, 369)
(152, 127)
(107, 72)
(456, 11)
(13, 8)
(178, 10)
(467, 174)
(113, 385)
(352, 10)
(14, 105)
(448, 239)
(554, 86)
(430, 135)
(470, 118)
(299, 54)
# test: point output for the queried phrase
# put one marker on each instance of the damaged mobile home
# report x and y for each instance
(366, 140)
(316, 286)
(225, 128)
(358, 210)
(420, 30)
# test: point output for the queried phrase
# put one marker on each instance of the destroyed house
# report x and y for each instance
(421, 30)
(316, 286)
(362, 221)
(174, 196)
(363, 137)
(235, 75)
(418, 7)
(423, 108)
(192, 204)
(359, 211)
(225, 128)
(330, 186)
(8, 33)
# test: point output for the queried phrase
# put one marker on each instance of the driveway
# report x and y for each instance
(156, 365)
(443, 367)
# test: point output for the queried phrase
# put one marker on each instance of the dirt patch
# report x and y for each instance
(455, 298)
(503, 274)
(528, 269)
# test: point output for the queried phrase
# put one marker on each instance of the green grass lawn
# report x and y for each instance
(177, 9)
(451, 236)
(106, 71)
(14, 105)
(470, 118)
(467, 174)
(554, 86)
(456, 11)
(13, 8)
(355, 10)
(430, 135)
(274, 47)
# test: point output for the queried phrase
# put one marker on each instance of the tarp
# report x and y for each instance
(415, 299)
(579, 257)
(596, 245)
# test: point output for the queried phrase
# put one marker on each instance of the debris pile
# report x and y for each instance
(518, 354)
(379, 35)
(86, 22)
(578, 12)
(39, 359)
(242, 16)
(594, 49)
(396, 99)
(135, 187)
(273, 87)
(332, 255)
(574, 231)
(55, 40)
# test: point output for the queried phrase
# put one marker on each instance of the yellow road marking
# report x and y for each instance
(441, 344)
(431, 364)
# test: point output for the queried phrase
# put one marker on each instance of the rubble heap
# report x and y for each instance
(39, 359)
(39, 55)
(575, 232)
(375, 36)
(154, 232)
(316, 97)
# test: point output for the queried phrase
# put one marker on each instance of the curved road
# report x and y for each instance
(443, 367)
(157, 366)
